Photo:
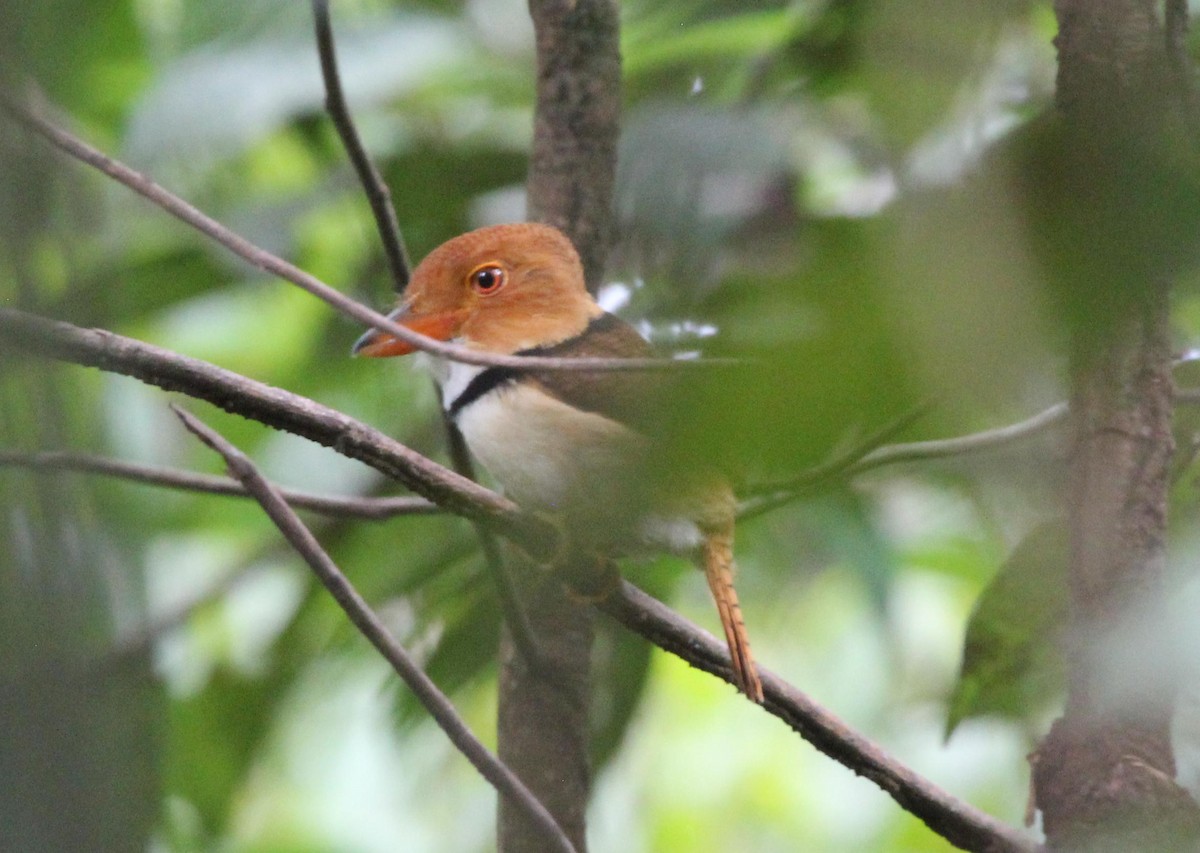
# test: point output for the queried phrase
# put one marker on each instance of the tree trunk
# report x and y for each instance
(1104, 775)
(543, 716)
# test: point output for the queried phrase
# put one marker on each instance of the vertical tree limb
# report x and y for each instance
(1106, 770)
(576, 123)
(543, 716)
(1104, 775)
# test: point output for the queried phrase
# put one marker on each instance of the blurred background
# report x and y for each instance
(838, 191)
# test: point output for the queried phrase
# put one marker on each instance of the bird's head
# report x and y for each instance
(501, 289)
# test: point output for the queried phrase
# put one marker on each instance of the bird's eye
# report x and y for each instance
(487, 279)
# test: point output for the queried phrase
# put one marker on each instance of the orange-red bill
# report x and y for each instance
(376, 344)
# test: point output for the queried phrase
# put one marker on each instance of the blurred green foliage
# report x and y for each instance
(1013, 654)
(837, 192)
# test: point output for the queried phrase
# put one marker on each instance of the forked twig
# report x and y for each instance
(856, 462)
(868, 456)
(764, 497)
(989, 439)
(439, 706)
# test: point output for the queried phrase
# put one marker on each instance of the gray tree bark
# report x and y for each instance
(543, 716)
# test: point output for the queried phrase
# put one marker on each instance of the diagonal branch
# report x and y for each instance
(97, 348)
(378, 195)
(958, 822)
(279, 409)
(762, 497)
(371, 626)
(330, 505)
(873, 454)
(264, 260)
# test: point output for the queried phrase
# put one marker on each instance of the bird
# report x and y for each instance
(578, 445)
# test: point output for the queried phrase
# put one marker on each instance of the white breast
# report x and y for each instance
(551, 456)
(544, 452)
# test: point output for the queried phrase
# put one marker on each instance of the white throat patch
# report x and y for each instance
(452, 377)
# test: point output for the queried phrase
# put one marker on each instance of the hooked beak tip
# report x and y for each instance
(377, 344)
(441, 326)
(364, 342)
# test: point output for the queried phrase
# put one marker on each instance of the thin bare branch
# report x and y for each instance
(991, 439)
(330, 505)
(371, 626)
(958, 822)
(871, 454)
(264, 260)
(377, 192)
(836, 467)
(280, 409)
(854, 463)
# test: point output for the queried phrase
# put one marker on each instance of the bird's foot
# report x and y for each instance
(588, 575)
(559, 549)
(591, 578)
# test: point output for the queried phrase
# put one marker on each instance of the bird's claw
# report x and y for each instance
(559, 549)
(591, 578)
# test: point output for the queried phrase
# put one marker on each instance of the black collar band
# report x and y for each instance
(491, 378)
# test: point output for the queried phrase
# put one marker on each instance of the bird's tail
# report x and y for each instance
(718, 569)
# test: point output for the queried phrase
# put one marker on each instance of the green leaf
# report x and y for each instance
(88, 68)
(1012, 663)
